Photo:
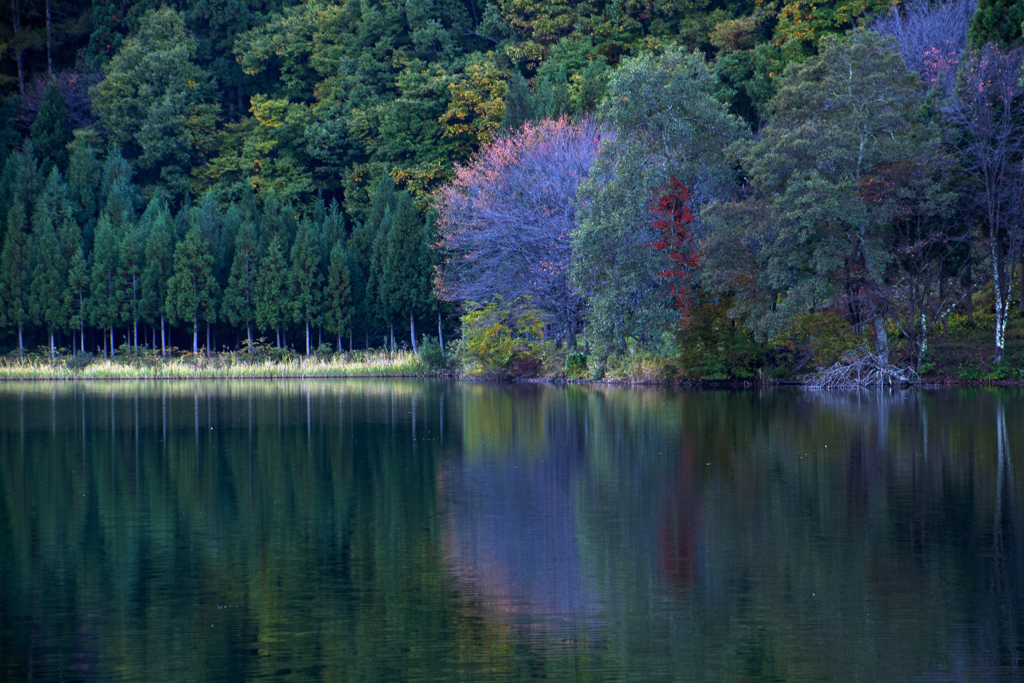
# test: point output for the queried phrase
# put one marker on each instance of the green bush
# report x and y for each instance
(575, 365)
(502, 343)
(434, 358)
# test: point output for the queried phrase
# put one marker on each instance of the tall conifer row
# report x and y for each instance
(404, 286)
(159, 255)
(15, 276)
(304, 279)
(192, 290)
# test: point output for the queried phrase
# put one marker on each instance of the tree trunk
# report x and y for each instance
(881, 339)
(21, 340)
(440, 336)
(278, 338)
(163, 339)
(1002, 290)
(392, 324)
(112, 347)
(49, 41)
(349, 340)
(207, 338)
(307, 340)
(195, 335)
(18, 58)
(412, 332)
(339, 342)
(51, 345)
(248, 336)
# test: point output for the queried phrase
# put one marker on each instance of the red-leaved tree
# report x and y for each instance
(672, 217)
(505, 222)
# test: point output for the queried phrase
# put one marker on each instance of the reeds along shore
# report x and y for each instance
(221, 366)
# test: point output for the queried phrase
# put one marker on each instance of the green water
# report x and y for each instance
(407, 531)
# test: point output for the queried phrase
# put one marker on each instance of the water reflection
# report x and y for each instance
(407, 530)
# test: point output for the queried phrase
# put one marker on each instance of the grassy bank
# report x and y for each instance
(148, 365)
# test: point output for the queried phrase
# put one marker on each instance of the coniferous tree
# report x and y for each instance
(103, 308)
(361, 249)
(15, 273)
(21, 181)
(304, 279)
(84, 173)
(51, 131)
(47, 303)
(404, 275)
(271, 280)
(239, 307)
(49, 272)
(78, 286)
(997, 22)
(374, 303)
(131, 262)
(159, 257)
(192, 290)
(338, 305)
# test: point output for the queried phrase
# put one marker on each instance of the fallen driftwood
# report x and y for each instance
(862, 369)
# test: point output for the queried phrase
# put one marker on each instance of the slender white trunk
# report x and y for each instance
(248, 336)
(881, 339)
(307, 340)
(52, 354)
(112, 352)
(440, 336)
(278, 338)
(412, 332)
(1002, 305)
(195, 335)
(21, 340)
(392, 324)
(163, 339)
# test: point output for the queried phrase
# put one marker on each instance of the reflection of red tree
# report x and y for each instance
(677, 529)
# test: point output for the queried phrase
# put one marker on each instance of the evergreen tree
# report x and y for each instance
(338, 305)
(131, 262)
(271, 279)
(192, 290)
(15, 273)
(998, 22)
(361, 249)
(51, 131)
(49, 306)
(304, 279)
(405, 287)
(78, 285)
(239, 307)
(103, 308)
(84, 175)
(159, 256)
(518, 103)
(47, 303)
(21, 181)
(374, 303)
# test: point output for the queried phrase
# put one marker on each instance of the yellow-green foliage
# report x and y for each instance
(231, 365)
(502, 343)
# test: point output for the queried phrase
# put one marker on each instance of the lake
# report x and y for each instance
(426, 530)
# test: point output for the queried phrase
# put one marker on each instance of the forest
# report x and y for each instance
(707, 189)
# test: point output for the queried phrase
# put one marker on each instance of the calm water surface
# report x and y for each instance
(406, 531)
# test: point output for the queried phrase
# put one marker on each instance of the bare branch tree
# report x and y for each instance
(505, 222)
(987, 131)
(928, 34)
